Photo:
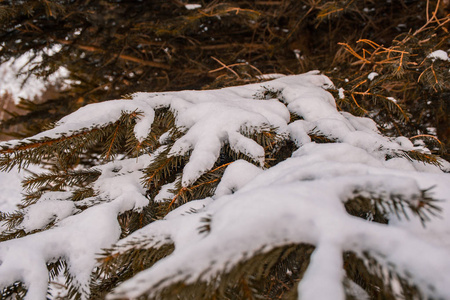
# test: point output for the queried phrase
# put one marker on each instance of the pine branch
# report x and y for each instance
(17, 290)
(163, 169)
(60, 180)
(378, 280)
(164, 123)
(319, 137)
(11, 220)
(270, 274)
(39, 151)
(377, 205)
(205, 186)
(66, 150)
(414, 155)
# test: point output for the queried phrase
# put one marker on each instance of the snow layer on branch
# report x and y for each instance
(237, 175)
(439, 54)
(76, 238)
(165, 192)
(300, 200)
(210, 119)
(121, 181)
(50, 207)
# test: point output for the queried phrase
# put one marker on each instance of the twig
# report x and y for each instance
(225, 66)
(121, 56)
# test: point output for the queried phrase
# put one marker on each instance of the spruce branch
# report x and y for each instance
(415, 155)
(38, 151)
(124, 57)
(62, 179)
(164, 123)
(116, 268)
(377, 205)
(319, 137)
(139, 255)
(162, 169)
(67, 150)
(272, 274)
(16, 290)
(377, 279)
(11, 220)
(205, 186)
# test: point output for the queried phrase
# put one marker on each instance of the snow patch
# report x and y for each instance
(192, 6)
(372, 76)
(439, 54)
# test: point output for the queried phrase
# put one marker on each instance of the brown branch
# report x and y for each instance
(185, 189)
(427, 136)
(108, 153)
(354, 53)
(268, 2)
(176, 197)
(227, 46)
(220, 167)
(155, 172)
(225, 66)
(356, 102)
(120, 56)
(386, 98)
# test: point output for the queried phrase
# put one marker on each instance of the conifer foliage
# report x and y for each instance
(282, 189)
(257, 191)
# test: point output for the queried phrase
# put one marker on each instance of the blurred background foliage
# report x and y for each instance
(376, 52)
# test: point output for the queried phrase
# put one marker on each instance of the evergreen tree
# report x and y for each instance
(259, 191)
(268, 190)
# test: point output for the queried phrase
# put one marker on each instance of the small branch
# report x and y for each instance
(225, 66)
(427, 136)
(120, 56)
(45, 143)
(353, 52)
(356, 102)
(185, 189)
(108, 153)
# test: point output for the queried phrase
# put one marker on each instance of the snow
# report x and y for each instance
(439, 54)
(372, 75)
(341, 93)
(165, 192)
(298, 201)
(14, 78)
(10, 187)
(45, 211)
(192, 6)
(392, 99)
(237, 175)
(120, 181)
(73, 238)
(254, 209)
(324, 270)
(270, 76)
